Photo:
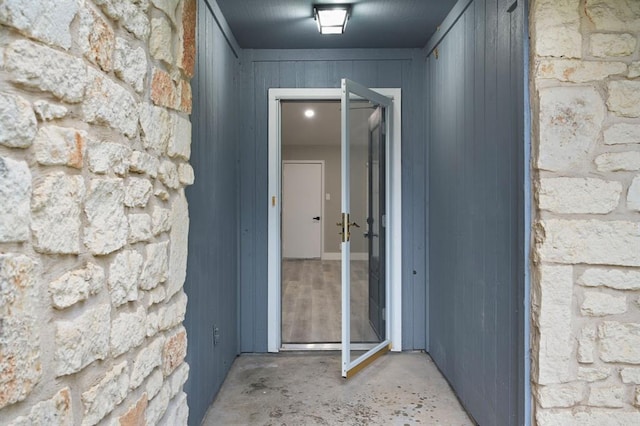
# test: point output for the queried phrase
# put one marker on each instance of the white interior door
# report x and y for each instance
(360, 106)
(301, 210)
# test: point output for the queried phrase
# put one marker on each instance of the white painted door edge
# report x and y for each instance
(274, 320)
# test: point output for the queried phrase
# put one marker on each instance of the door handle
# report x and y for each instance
(316, 218)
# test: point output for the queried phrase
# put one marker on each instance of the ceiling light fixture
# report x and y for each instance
(309, 113)
(331, 18)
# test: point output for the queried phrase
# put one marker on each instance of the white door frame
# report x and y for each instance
(322, 196)
(394, 258)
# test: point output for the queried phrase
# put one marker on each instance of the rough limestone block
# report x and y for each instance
(570, 123)
(130, 13)
(127, 331)
(633, 196)
(168, 7)
(18, 124)
(108, 226)
(139, 228)
(163, 90)
(161, 220)
(604, 45)
(186, 174)
(15, 199)
(174, 351)
(146, 361)
(555, 292)
(186, 97)
(616, 15)
(130, 64)
(158, 406)
(153, 321)
(45, 20)
(137, 192)
(557, 28)
(597, 304)
(110, 104)
(606, 396)
(578, 195)
(180, 143)
(48, 70)
(156, 266)
(619, 279)
(56, 215)
(55, 411)
(105, 157)
(103, 397)
(47, 111)
(577, 71)
(20, 367)
(96, 39)
(178, 378)
(141, 162)
(179, 237)
(622, 133)
(123, 277)
(618, 161)
(187, 46)
(76, 286)
(589, 241)
(136, 414)
(619, 342)
(154, 383)
(173, 314)
(630, 375)
(60, 146)
(82, 340)
(560, 396)
(161, 40)
(634, 70)
(586, 344)
(178, 411)
(168, 174)
(636, 398)
(624, 98)
(589, 374)
(592, 417)
(157, 127)
(156, 295)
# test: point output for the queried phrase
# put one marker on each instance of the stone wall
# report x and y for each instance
(94, 148)
(586, 142)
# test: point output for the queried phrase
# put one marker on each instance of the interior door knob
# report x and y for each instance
(316, 218)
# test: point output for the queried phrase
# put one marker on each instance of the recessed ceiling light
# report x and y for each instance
(309, 113)
(331, 18)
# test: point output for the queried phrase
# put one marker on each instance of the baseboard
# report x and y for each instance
(338, 256)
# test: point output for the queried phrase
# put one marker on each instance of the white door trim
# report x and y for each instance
(322, 197)
(274, 317)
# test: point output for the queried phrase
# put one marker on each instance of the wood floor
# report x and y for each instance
(311, 302)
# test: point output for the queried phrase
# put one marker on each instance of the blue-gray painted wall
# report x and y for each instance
(475, 135)
(264, 69)
(212, 267)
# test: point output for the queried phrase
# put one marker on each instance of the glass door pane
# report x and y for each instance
(364, 288)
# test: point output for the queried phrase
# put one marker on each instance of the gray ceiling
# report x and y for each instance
(289, 24)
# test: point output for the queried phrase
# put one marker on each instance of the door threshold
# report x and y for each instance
(287, 347)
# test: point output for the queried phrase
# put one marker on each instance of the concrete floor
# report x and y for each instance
(306, 389)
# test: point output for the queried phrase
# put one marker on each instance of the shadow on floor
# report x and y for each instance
(306, 389)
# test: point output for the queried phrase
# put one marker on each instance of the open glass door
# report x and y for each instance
(366, 120)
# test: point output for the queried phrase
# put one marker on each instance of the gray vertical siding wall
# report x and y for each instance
(264, 69)
(476, 138)
(212, 269)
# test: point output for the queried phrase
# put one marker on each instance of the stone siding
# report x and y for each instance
(95, 138)
(585, 338)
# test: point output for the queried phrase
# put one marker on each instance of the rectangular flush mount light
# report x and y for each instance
(331, 18)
